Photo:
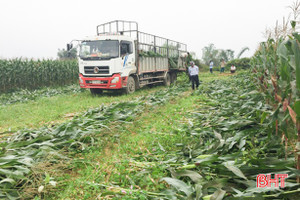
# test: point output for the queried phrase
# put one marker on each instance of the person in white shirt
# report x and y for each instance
(232, 69)
(193, 73)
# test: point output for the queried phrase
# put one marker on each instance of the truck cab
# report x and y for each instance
(106, 61)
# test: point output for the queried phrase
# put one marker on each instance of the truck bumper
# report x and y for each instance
(108, 83)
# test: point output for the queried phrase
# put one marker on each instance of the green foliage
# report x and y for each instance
(210, 53)
(215, 149)
(27, 148)
(202, 67)
(65, 55)
(30, 74)
(29, 95)
(296, 52)
(226, 55)
(275, 68)
(189, 58)
(216, 55)
(173, 62)
(229, 144)
(216, 152)
(57, 108)
(243, 63)
(149, 54)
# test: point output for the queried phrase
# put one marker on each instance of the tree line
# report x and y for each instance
(210, 52)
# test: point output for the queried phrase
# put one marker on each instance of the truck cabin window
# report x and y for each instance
(126, 48)
(101, 49)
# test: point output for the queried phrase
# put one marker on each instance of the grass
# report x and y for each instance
(124, 153)
(160, 118)
(56, 109)
(122, 160)
(132, 160)
(143, 148)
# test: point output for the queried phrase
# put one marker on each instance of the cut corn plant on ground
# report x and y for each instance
(208, 145)
(27, 148)
(172, 144)
(22, 96)
(49, 106)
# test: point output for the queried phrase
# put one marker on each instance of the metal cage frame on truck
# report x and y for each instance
(145, 42)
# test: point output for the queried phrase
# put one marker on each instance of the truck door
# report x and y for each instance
(127, 55)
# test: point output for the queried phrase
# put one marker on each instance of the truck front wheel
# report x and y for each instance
(96, 91)
(130, 85)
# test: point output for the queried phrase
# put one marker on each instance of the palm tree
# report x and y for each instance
(216, 55)
(241, 52)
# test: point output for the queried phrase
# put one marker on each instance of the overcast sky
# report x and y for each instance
(38, 28)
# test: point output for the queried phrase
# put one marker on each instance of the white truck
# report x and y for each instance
(122, 57)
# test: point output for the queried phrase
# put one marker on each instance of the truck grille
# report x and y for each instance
(96, 69)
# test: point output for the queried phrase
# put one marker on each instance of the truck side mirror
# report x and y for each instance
(69, 47)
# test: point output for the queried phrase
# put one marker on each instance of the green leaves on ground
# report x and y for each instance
(232, 140)
(29, 95)
(27, 148)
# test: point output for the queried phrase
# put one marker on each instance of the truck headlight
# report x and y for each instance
(115, 80)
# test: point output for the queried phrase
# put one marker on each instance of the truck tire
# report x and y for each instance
(96, 91)
(167, 80)
(130, 85)
(173, 77)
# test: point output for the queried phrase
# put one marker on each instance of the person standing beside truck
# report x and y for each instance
(188, 60)
(211, 65)
(193, 73)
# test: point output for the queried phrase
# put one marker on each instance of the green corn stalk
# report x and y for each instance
(277, 71)
(30, 74)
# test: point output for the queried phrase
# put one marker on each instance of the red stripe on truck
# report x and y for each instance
(102, 82)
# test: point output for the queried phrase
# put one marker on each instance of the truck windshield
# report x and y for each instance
(101, 49)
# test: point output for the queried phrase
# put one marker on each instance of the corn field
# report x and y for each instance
(277, 70)
(30, 74)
